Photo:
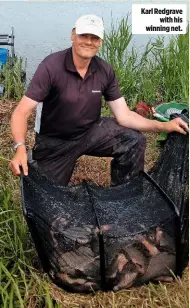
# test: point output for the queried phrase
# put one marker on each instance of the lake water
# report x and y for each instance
(44, 27)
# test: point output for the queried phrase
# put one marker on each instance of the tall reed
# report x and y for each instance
(157, 73)
(16, 253)
(173, 64)
(12, 76)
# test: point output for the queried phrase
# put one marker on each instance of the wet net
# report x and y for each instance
(91, 238)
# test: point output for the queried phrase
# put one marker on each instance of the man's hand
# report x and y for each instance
(19, 160)
(176, 125)
(18, 129)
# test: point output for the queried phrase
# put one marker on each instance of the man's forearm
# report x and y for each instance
(127, 118)
(135, 121)
(18, 127)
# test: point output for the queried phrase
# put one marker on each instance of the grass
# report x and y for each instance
(12, 76)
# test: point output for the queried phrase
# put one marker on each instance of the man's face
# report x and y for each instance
(85, 45)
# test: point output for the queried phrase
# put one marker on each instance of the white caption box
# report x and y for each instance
(159, 18)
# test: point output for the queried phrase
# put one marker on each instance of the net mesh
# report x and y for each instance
(90, 238)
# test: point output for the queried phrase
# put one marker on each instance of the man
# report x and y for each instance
(67, 89)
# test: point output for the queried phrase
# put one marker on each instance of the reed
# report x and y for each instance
(12, 76)
(157, 73)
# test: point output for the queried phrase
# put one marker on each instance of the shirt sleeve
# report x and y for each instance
(40, 84)
(112, 91)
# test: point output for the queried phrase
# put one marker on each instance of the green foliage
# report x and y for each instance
(159, 73)
(12, 76)
(173, 64)
(15, 250)
(114, 50)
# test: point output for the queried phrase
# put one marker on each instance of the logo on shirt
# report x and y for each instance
(96, 91)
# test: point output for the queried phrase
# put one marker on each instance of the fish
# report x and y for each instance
(91, 270)
(117, 265)
(87, 287)
(121, 261)
(105, 227)
(76, 284)
(164, 279)
(83, 261)
(165, 241)
(151, 248)
(91, 285)
(137, 257)
(58, 225)
(63, 266)
(78, 234)
(160, 265)
(94, 245)
(65, 278)
(159, 235)
(126, 278)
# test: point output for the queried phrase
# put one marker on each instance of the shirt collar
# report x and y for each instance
(69, 64)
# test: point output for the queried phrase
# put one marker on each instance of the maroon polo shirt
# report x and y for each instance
(71, 104)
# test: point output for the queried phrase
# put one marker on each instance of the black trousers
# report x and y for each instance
(56, 157)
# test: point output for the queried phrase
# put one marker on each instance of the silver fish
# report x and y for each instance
(164, 240)
(63, 266)
(58, 225)
(82, 260)
(87, 287)
(117, 265)
(122, 261)
(164, 279)
(127, 278)
(160, 265)
(151, 248)
(78, 234)
(138, 258)
(65, 278)
(76, 284)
